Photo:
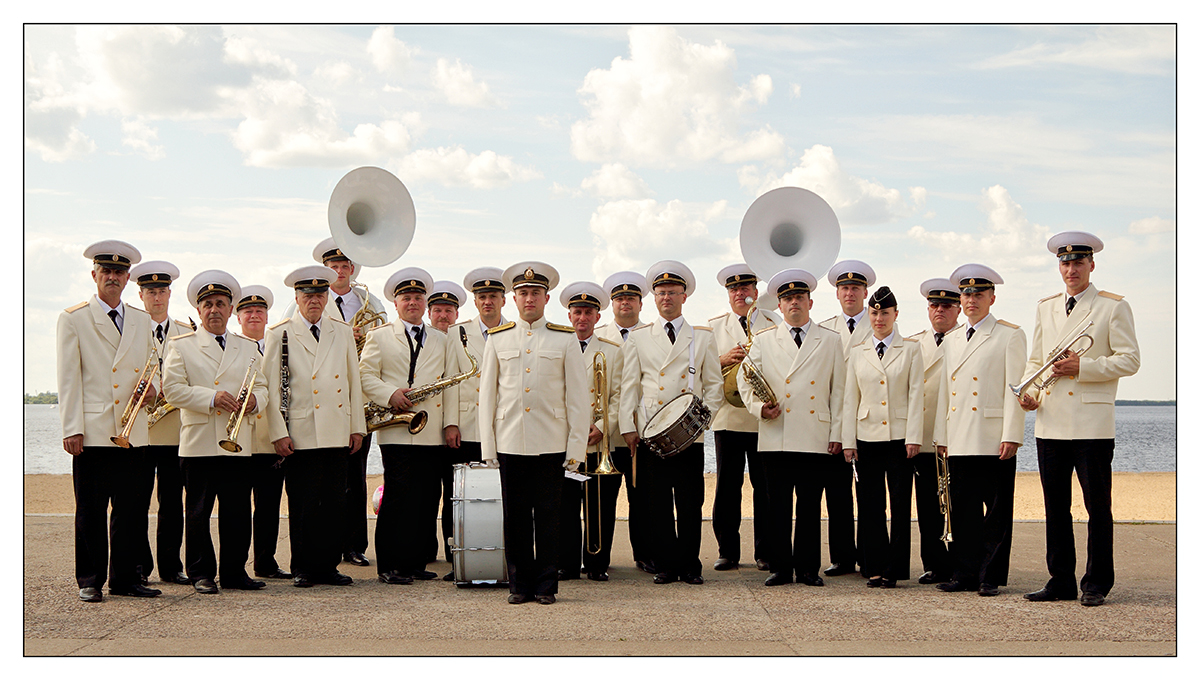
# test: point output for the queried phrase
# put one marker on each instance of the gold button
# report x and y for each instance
(339, 390)
(314, 391)
(974, 409)
(527, 409)
(528, 351)
(885, 422)
(593, 390)
(317, 406)
(114, 370)
(683, 391)
(660, 401)
(339, 405)
(1071, 377)
(119, 401)
(788, 395)
(526, 389)
(880, 382)
(954, 377)
(926, 381)
(258, 416)
(476, 389)
(883, 403)
(812, 382)
(528, 332)
(527, 370)
(336, 376)
(788, 381)
(661, 388)
(683, 376)
(216, 382)
(660, 373)
(314, 377)
(1070, 394)
(953, 409)
(974, 394)
(812, 396)
(954, 394)
(218, 413)
(115, 386)
(974, 378)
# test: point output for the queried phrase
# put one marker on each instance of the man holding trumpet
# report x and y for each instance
(1075, 427)
(214, 377)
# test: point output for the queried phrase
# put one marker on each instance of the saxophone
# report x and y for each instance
(379, 417)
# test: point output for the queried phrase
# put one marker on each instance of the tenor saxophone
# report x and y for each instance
(379, 417)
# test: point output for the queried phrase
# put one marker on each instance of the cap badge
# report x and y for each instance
(877, 305)
(737, 277)
(210, 286)
(971, 282)
(528, 273)
(486, 282)
(625, 287)
(314, 282)
(412, 283)
(850, 275)
(114, 258)
(791, 286)
(1068, 249)
(154, 278)
(583, 296)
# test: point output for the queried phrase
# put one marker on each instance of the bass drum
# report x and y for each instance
(677, 424)
(478, 543)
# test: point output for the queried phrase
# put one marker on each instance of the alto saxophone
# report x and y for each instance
(379, 417)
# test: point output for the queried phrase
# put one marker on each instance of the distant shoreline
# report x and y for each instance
(1143, 402)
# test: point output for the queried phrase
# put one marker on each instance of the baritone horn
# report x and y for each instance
(1057, 354)
(605, 465)
(371, 216)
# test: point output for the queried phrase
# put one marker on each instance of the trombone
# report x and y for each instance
(135, 400)
(235, 419)
(604, 466)
(1057, 354)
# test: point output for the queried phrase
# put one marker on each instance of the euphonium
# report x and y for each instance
(604, 466)
(235, 419)
(943, 473)
(1057, 354)
(135, 401)
(365, 319)
(379, 417)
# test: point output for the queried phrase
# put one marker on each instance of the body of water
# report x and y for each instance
(1145, 442)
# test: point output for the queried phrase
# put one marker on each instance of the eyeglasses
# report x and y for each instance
(667, 293)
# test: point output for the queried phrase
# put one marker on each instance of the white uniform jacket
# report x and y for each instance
(166, 431)
(884, 397)
(728, 333)
(862, 331)
(533, 396)
(197, 368)
(1082, 407)
(654, 371)
(326, 397)
(932, 357)
(976, 408)
(98, 369)
(468, 390)
(808, 381)
(383, 369)
(613, 366)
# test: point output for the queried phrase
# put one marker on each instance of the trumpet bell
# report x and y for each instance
(790, 228)
(371, 216)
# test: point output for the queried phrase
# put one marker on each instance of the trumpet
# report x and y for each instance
(135, 401)
(1057, 354)
(604, 466)
(943, 481)
(235, 419)
(365, 319)
(379, 417)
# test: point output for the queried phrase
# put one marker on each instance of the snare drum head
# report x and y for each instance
(668, 414)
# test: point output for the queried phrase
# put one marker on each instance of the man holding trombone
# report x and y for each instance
(1074, 398)
(214, 377)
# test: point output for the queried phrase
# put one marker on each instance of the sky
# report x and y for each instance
(603, 148)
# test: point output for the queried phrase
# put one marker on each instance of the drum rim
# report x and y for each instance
(649, 422)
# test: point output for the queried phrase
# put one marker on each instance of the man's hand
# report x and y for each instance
(912, 449)
(283, 447)
(355, 442)
(225, 401)
(771, 411)
(251, 403)
(733, 356)
(399, 399)
(1008, 450)
(835, 448)
(594, 435)
(850, 454)
(941, 451)
(151, 393)
(631, 440)
(1028, 402)
(73, 444)
(452, 436)
(1068, 365)
(358, 334)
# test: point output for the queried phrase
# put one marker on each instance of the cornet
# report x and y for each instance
(235, 419)
(1057, 354)
(135, 401)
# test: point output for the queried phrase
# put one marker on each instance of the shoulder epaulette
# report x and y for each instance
(1110, 296)
(560, 328)
(502, 327)
(337, 320)
(184, 335)
(638, 328)
(184, 324)
(601, 326)
(1049, 297)
(1002, 322)
(280, 323)
(614, 344)
(764, 330)
(719, 316)
(916, 337)
(137, 309)
(239, 335)
(703, 328)
(76, 308)
(386, 325)
(861, 344)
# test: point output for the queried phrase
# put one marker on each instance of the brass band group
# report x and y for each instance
(567, 415)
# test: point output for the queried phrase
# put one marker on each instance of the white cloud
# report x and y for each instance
(1129, 49)
(140, 137)
(1152, 225)
(54, 135)
(337, 74)
(457, 83)
(454, 166)
(1009, 243)
(633, 234)
(671, 102)
(389, 55)
(856, 201)
(614, 180)
(795, 90)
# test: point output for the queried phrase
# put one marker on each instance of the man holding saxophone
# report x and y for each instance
(103, 353)
(214, 377)
(1075, 419)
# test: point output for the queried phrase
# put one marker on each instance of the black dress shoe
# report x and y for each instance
(988, 590)
(395, 578)
(278, 573)
(567, 575)
(337, 578)
(518, 598)
(597, 576)
(303, 581)
(778, 579)
(448, 577)
(762, 565)
(1091, 598)
(875, 582)
(953, 586)
(91, 595)
(206, 586)
(1047, 595)
(888, 583)
(725, 564)
(545, 599)
(179, 578)
(929, 578)
(810, 580)
(357, 559)
(694, 579)
(664, 577)
(837, 569)
(243, 583)
(424, 575)
(647, 567)
(135, 590)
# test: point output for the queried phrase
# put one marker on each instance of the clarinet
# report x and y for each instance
(285, 386)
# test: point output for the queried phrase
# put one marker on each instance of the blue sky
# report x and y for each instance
(600, 148)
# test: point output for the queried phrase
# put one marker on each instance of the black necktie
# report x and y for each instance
(745, 328)
(417, 334)
(315, 331)
(970, 332)
(158, 333)
(671, 332)
(582, 345)
(937, 338)
(1070, 305)
(797, 338)
(112, 314)
(850, 323)
(880, 349)
(338, 300)
(624, 334)
(259, 348)
(221, 342)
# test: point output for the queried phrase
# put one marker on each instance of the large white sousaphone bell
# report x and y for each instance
(371, 216)
(790, 228)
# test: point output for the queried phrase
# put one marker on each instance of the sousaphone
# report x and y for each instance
(371, 216)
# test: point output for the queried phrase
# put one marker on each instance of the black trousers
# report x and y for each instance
(1091, 460)
(641, 539)
(734, 451)
(794, 475)
(266, 485)
(531, 488)
(209, 480)
(407, 517)
(102, 475)
(354, 522)
(981, 506)
(931, 524)
(836, 479)
(163, 462)
(316, 487)
(884, 483)
(467, 452)
(677, 500)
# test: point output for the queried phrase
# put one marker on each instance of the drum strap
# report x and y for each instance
(692, 362)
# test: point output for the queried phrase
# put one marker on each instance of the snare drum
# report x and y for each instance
(478, 543)
(677, 424)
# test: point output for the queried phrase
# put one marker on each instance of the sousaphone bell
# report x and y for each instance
(371, 216)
